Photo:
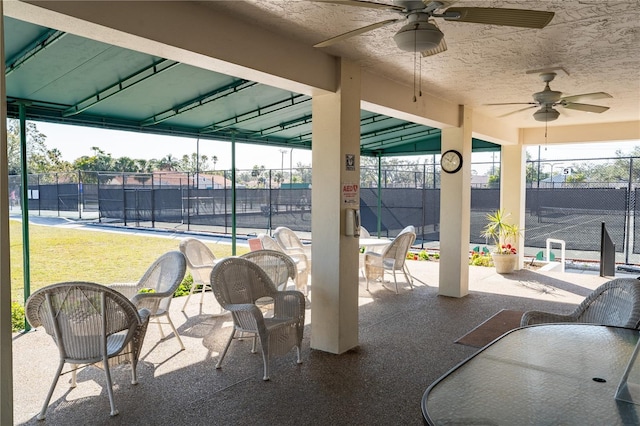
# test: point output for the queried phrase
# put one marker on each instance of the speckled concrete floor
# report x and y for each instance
(406, 342)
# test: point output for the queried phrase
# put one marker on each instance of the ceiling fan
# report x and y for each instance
(547, 99)
(421, 34)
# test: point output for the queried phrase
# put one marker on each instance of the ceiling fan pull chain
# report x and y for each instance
(420, 81)
(415, 60)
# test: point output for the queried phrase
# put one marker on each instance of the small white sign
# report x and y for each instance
(566, 171)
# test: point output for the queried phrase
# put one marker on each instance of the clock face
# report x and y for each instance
(451, 161)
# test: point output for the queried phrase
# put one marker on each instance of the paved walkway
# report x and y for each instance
(406, 342)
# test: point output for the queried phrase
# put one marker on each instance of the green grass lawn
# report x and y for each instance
(66, 254)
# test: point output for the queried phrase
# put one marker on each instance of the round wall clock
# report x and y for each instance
(451, 161)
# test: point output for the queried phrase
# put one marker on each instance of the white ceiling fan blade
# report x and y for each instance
(494, 16)
(586, 96)
(586, 107)
(361, 3)
(517, 111)
(356, 32)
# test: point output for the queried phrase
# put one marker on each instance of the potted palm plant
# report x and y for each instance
(503, 234)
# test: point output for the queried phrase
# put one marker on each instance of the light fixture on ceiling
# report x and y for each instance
(418, 34)
(546, 113)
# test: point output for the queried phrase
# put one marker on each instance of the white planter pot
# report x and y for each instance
(504, 263)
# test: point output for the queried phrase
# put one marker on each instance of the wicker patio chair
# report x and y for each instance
(163, 278)
(89, 323)
(237, 283)
(279, 266)
(615, 303)
(303, 265)
(409, 228)
(392, 258)
(200, 260)
(290, 242)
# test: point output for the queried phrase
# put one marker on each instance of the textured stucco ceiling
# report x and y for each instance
(596, 42)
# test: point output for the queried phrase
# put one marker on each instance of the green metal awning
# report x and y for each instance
(68, 79)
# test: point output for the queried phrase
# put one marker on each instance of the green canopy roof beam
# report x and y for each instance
(120, 86)
(301, 121)
(394, 129)
(400, 140)
(259, 112)
(35, 47)
(191, 104)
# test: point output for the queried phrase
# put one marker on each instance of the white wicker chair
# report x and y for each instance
(290, 243)
(303, 266)
(237, 283)
(163, 276)
(615, 303)
(200, 260)
(89, 323)
(278, 265)
(393, 258)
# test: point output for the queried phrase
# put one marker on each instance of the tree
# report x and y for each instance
(168, 163)
(191, 164)
(99, 162)
(38, 158)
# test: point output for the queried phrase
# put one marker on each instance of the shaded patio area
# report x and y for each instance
(406, 342)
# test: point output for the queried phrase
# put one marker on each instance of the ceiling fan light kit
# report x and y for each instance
(418, 36)
(546, 114)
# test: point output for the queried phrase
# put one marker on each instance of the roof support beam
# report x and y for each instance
(119, 87)
(401, 140)
(301, 121)
(35, 47)
(215, 95)
(259, 112)
(392, 135)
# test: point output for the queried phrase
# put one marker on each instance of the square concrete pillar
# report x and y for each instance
(335, 187)
(513, 167)
(455, 209)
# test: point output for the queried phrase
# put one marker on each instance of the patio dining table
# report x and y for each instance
(373, 242)
(543, 374)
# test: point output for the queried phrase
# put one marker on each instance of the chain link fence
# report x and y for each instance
(561, 208)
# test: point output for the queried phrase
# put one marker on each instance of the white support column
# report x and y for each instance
(513, 190)
(455, 212)
(6, 361)
(334, 284)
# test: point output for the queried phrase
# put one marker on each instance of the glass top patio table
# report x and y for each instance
(544, 375)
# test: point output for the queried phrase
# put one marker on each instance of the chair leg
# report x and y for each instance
(162, 336)
(193, 287)
(407, 275)
(265, 359)
(41, 416)
(226, 348)
(174, 330)
(134, 364)
(366, 276)
(395, 280)
(203, 288)
(299, 361)
(74, 373)
(107, 373)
